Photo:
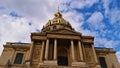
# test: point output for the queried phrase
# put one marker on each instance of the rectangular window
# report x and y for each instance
(18, 58)
(102, 62)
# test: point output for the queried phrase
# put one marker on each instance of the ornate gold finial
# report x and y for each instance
(58, 15)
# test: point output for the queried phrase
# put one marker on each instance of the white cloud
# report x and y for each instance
(96, 17)
(114, 16)
(34, 9)
(10, 26)
(106, 4)
(14, 30)
(96, 20)
(82, 3)
(86, 32)
(106, 43)
(75, 19)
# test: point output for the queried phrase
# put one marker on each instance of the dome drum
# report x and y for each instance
(55, 27)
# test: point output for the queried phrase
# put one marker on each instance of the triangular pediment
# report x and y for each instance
(65, 31)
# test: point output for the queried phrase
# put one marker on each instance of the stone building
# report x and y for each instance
(58, 45)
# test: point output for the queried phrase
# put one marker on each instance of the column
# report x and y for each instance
(80, 51)
(31, 50)
(108, 60)
(12, 56)
(42, 50)
(55, 49)
(30, 55)
(72, 50)
(46, 49)
(94, 53)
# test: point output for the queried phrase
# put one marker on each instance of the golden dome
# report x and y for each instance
(57, 20)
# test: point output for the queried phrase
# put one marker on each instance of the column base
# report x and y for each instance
(27, 64)
(79, 64)
(98, 66)
(52, 63)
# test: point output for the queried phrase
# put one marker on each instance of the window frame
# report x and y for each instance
(104, 60)
(19, 56)
(15, 54)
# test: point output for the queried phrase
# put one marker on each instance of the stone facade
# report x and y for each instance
(58, 45)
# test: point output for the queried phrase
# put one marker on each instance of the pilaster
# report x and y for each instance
(42, 50)
(94, 53)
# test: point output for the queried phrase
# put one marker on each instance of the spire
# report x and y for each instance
(58, 9)
(58, 5)
(58, 14)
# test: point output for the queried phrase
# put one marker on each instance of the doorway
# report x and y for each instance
(62, 57)
(62, 61)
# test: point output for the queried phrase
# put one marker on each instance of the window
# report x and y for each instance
(18, 58)
(54, 27)
(102, 62)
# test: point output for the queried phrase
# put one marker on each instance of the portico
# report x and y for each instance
(62, 48)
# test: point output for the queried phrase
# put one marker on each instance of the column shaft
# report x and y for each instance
(55, 49)
(80, 51)
(84, 56)
(108, 60)
(42, 50)
(46, 49)
(72, 50)
(94, 53)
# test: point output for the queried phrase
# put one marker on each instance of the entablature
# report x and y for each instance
(59, 36)
(87, 39)
(104, 50)
(55, 35)
(26, 47)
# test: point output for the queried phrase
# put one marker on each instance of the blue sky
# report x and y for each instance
(98, 18)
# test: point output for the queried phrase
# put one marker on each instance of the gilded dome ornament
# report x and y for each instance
(58, 15)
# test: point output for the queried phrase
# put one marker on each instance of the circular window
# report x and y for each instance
(54, 27)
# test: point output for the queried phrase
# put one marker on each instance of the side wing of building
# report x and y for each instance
(107, 57)
(14, 55)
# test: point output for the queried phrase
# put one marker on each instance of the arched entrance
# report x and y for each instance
(62, 57)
